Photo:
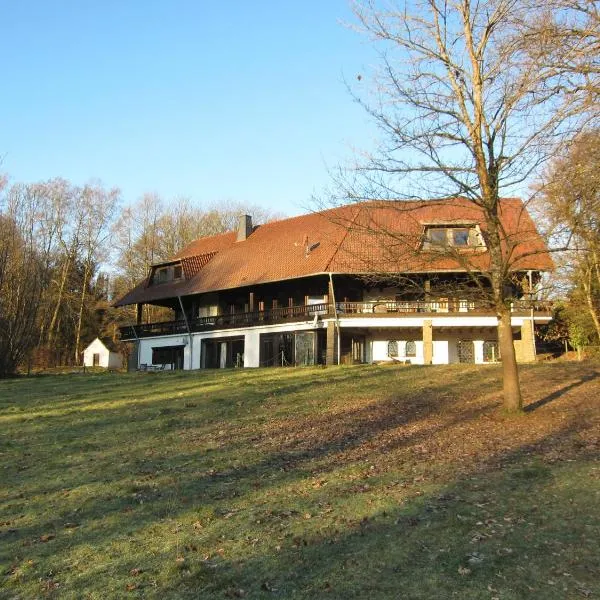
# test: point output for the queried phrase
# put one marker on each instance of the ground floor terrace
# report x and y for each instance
(319, 337)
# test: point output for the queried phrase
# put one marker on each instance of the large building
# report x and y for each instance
(369, 282)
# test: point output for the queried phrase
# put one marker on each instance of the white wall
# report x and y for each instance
(448, 320)
(441, 352)
(146, 345)
(251, 342)
(96, 347)
(379, 348)
(478, 348)
(445, 348)
(377, 331)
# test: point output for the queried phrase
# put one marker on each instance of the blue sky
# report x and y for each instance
(223, 100)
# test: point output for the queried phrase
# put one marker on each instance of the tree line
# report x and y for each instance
(67, 252)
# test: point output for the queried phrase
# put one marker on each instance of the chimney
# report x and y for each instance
(244, 227)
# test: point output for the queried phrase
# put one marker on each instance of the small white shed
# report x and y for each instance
(102, 353)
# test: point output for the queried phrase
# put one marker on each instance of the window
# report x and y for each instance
(490, 351)
(438, 237)
(168, 355)
(460, 237)
(392, 348)
(411, 349)
(177, 271)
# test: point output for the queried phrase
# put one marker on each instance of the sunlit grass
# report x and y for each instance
(357, 482)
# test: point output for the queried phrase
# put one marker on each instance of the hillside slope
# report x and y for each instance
(346, 482)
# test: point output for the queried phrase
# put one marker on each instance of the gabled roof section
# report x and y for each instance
(147, 291)
(208, 245)
(386, 237)
(382, 237)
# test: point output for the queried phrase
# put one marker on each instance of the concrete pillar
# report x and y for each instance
(525, 347)
(252, 349)
(427, 342)
(331, 355)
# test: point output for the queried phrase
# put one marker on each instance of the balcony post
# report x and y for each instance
(189, 331)
(331, 295)
(138, 313)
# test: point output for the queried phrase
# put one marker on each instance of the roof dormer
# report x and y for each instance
(166, 273)
(452, 236)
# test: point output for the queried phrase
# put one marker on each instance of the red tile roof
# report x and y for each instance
(192, 264)
(384, 237)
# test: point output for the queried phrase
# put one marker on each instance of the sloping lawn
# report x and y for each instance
(348, 482)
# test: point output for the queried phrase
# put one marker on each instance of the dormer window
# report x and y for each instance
(438, 237)
(459, 236)
(166, 273)
(161, 275)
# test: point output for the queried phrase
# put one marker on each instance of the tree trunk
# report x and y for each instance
(587, 283)
(80, 316)
(63, 281)
(510, 374)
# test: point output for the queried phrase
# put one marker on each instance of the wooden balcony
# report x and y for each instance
(227, 321)
(292, 314)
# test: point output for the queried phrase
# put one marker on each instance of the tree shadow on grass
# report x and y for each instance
(478, 536)
(288, 458)
(258, 473)
(560, 392)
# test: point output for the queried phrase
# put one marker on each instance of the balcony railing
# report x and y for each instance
(372, 309)
(434, 306)
(226, 321)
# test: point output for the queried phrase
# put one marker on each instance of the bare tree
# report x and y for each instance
(462, 113)
(97, 206)
(563, 37)
(66, 222)
(152, 230)
(24, 272)
(570, 195)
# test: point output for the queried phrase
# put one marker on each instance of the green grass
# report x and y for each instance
(347, 482)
